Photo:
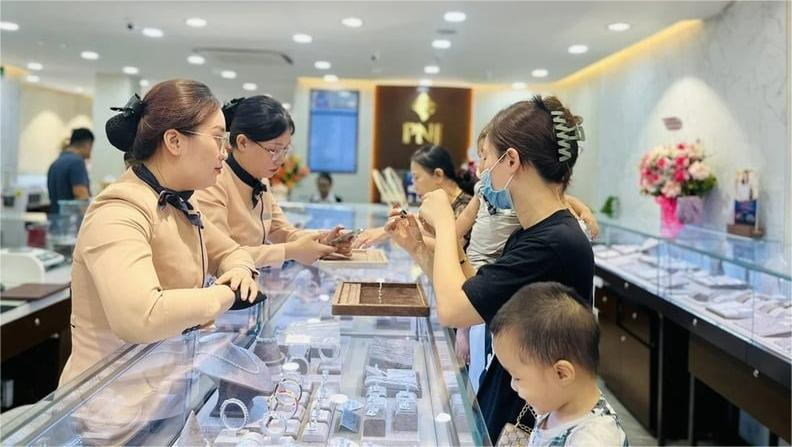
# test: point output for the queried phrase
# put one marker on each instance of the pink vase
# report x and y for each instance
(670, 225)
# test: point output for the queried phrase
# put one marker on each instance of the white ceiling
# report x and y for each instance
(500, 42)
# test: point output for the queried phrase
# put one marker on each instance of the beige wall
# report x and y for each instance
(46, 119)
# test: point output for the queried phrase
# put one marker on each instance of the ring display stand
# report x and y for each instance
(380, 299)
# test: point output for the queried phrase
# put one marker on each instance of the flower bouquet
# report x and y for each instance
(291, 172)
(678, 177)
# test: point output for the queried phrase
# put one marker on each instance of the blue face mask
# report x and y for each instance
(498, 198)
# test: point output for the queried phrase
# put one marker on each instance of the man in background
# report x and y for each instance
(67, 177)
(324, 186)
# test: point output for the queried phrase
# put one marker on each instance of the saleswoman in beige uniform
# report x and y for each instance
(144, 251)
(241, 204)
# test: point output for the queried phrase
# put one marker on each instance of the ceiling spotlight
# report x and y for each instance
(577, 49)
(249, 86)
(330, 78)
(619, 27)
(454, 16)
(302, 38)
(519, 86)
(228, 74)
(539, 73)
(322, 65)
(144, 83)
(195, 22)
(35, 66)
(352, 22)
(9, 26)
(89, 55)
(441, 44)
(32, 78)
(425, 82)
(431, 69)
(130, 70)
(286, 106)
(196, 59)
(153, 32)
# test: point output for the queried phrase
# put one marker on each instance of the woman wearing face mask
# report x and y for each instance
(144, 251)
(527, 163)
(241, 204)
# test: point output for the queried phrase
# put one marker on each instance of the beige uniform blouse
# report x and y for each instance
(138, 273)
(229, 205)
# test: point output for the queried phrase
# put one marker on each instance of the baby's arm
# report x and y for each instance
(466, 219)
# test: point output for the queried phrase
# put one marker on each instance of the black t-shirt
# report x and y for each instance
(555, 249)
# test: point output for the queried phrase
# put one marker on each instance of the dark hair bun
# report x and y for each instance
(121, 128)
(121, 132)
(229, 111)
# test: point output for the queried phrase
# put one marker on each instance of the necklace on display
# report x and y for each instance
(232, 363)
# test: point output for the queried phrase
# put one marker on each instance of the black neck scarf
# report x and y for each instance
(177, 199)
(258, 186)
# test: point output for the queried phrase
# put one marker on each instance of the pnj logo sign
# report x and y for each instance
(422, 132)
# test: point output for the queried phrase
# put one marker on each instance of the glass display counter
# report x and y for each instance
(284, 373)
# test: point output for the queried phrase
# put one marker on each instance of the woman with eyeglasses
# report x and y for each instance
(241, 203)
(144, 250)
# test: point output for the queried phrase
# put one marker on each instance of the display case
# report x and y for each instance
(703, 307)
(740, 285)
(286, 373)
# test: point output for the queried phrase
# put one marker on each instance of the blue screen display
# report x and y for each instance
(332, 141)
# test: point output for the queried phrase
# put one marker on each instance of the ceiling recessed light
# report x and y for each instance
(441, 44)
(9, 26)
(519, 85)
(89, 55)
(153, 32)
(322, 65)
(431, 69)
(249, 86)
(195, 59)
(619, 27)
(130, 70)
(287, 106)
(352, 22)
(35, 66)
(195, 22)
(454, 16)
(540, 73)
(144, 83)
(228, 74)
(425, 82)
(330, 78)
(302, 38)
(32, 78)
(577, 49)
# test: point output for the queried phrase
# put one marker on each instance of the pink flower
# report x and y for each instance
(671, 189)
(680, 175)
(662, 162)
(681, 162)
(699, 170)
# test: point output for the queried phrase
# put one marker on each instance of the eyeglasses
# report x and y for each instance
(274, 153)
(222, 141)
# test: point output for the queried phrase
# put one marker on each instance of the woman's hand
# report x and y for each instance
(342, 248)
(462, 345)
(240, 278)
(369, 237)
(436, 209)
(307, 249)
(405, 232)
